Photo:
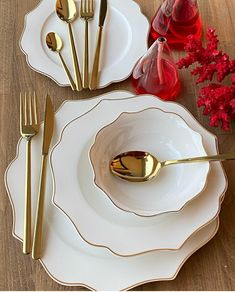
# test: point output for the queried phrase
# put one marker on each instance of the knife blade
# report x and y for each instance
(48, 126)
(103, 12)
(47, 136)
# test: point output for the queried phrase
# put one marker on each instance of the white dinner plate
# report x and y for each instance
(125, 40)
(67, 258)
(166, 136)
(93, 214)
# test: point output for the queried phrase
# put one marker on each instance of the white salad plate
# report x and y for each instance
(166, 136)
(96, 218)
(67, 258)
(125, 40)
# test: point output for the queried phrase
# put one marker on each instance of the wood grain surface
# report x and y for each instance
(213, 266)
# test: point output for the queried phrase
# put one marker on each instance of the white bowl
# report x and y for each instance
(166, 136)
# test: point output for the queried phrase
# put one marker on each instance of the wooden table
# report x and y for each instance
(212, 267)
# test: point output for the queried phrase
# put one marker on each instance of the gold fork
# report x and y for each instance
(29, 127)
(87, 13)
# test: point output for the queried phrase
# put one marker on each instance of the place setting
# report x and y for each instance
(117, 190)
(107, 41)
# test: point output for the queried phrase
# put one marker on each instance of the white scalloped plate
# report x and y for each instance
(125, 40)
(67, 258)
(94, 215)
(166, 136)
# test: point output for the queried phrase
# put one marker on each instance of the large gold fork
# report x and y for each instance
(87, 13)
(29, 127)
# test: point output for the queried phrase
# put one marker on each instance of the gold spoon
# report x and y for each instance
(140, 166)
(67, 11)
(55, 44)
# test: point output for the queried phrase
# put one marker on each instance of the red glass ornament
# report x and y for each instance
(175, 20)
(156, 72)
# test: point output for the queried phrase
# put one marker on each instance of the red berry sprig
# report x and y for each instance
(218, 100)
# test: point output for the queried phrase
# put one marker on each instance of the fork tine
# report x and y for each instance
(21, 112)
(89, 6)
(25, 109)
(92, 5)
(81, 6)
(35, 108)
(30, 109)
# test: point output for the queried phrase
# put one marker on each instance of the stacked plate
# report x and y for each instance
(107, 234)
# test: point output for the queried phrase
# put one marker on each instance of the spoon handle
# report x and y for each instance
(219, 157)
(72, 84)
(75, 59)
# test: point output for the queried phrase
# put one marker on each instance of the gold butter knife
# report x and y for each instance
(47, 136)
(95, 70)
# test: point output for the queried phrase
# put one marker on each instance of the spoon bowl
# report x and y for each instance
(66, 10)
(54, 42)
(135, 166)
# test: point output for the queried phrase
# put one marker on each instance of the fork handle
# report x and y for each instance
(27, 207)
(86, 57)
(37, 238)
(95, 70)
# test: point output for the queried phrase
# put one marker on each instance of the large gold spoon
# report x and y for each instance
(55, 44)
(140, 166)
(67, 11)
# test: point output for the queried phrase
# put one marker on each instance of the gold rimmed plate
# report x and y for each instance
(91, 210)
(62, 244)
(122, 47)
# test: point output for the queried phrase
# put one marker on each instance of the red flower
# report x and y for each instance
(218, 100)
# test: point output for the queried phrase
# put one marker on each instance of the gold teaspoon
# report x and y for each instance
(55, 44)
(67, 12)
(140, 166)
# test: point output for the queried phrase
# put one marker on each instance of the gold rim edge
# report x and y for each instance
(143, 282)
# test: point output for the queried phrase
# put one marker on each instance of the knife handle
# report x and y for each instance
(37, 238)
(27, 207)
(95, 70)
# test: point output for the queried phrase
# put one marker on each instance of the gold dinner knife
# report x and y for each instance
(47, 136)
(95, 70)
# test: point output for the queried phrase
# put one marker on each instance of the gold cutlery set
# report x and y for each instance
(67, 11)
(29, 127)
